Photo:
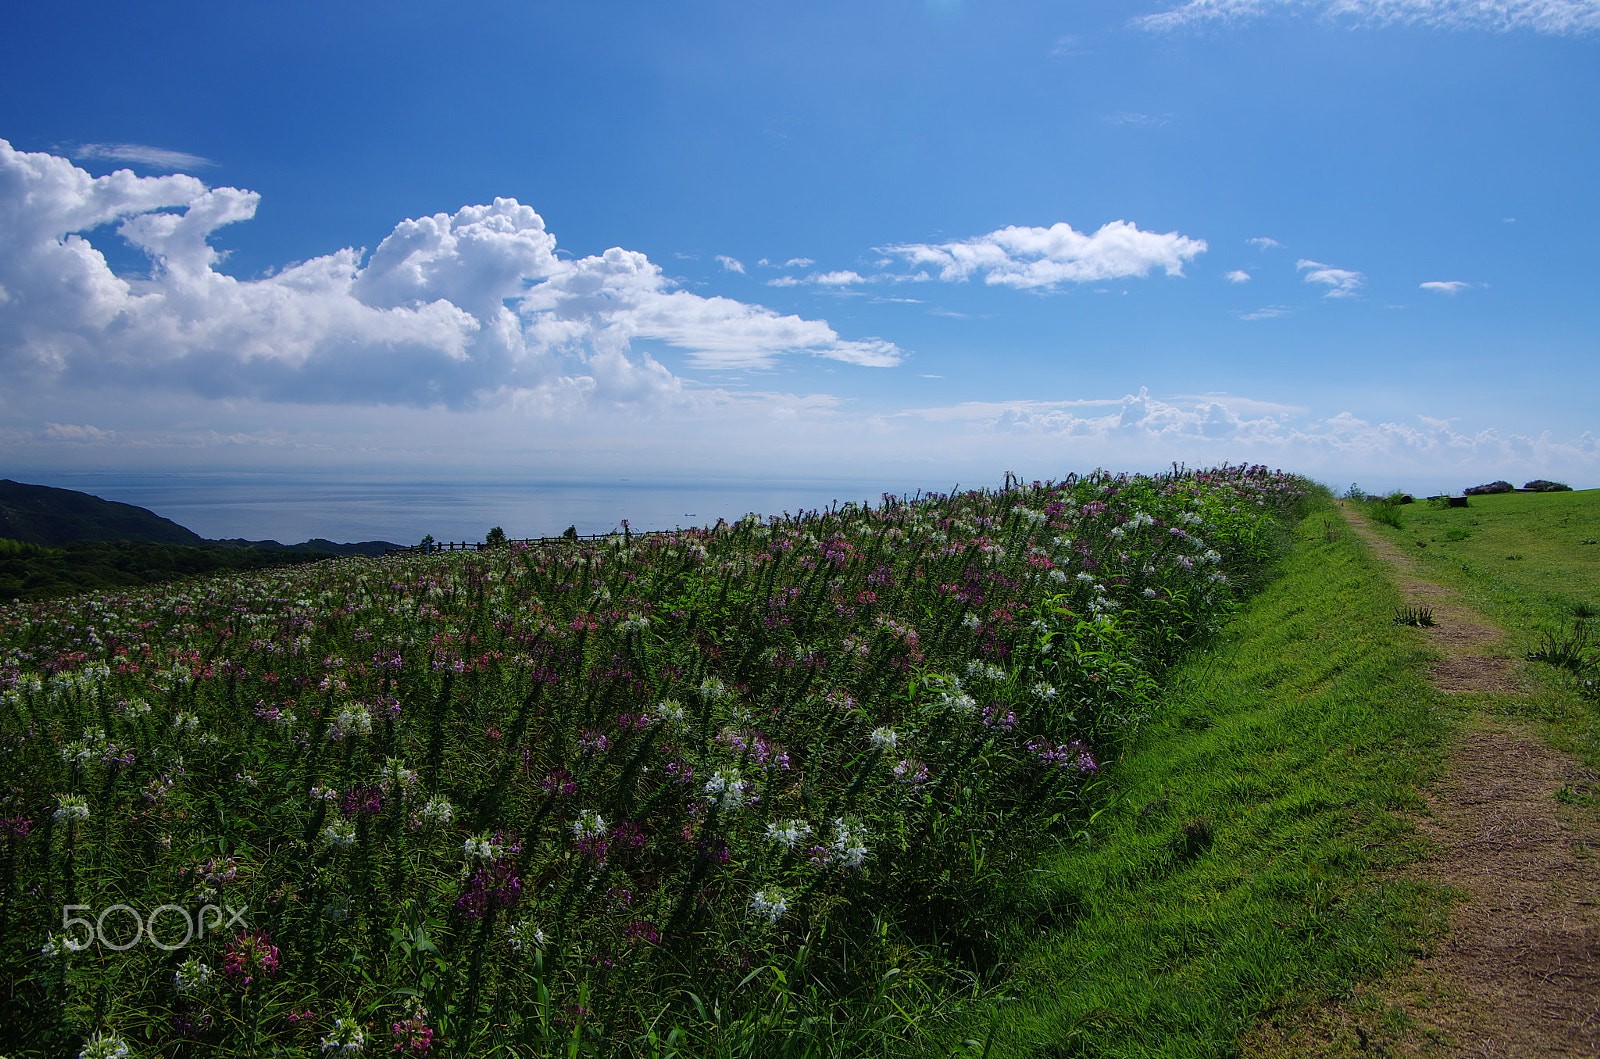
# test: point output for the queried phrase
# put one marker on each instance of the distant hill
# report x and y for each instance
(41, 514)
(54, 518)
(317, 545)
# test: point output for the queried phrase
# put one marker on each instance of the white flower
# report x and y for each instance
(55, 946)
(789, 835)
(72, 808)
(884, 738)
(524, 936)
(350, 721)
(395, 771)
(727, 788)
(971, 621)
(589, 824)
(437, 812)
(347, 1037)
(712, 689)
(670, 711)
(185, 721)
(847, 845)
(480, 848)
(339, 834)
(104, 1046)
(1058, 575)
(769, 903)
(1044, 691)
(192, 975)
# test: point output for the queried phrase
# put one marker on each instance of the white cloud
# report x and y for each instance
(1262, 242)
(1343, 282)
(1135, 120)
(1445, 286)
(842, 278)
(730, 264)
(1269, 312)
(1044, 257)
(798, 262)
(1555, 17)
(1208, 429)
(456, 309)
(1238, 275)
(140, 154)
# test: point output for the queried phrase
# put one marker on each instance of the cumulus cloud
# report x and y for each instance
(141, 154)
(730, 264)
(1045, 257)
(1343, 282)
(1554, 17)
(1262, 242)
(453, 309)
(1238, 275)
(1445, 286)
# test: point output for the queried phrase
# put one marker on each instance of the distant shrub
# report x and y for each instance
(1492, 487)
(1384, 511)
(1539, 485)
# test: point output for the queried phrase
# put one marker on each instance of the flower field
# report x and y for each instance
(737, 790)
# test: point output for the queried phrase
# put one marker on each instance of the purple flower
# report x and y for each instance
(559, 781)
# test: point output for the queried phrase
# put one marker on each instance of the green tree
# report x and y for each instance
(496, 538)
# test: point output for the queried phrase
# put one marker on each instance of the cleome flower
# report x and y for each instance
(437, 812)
(847, 847)
(479, 847)
(72, 807)
(770, 904)
(589, 824)
(790, 834)
(727, 788)
(524, 936)
(191, 976)
(339, 834)
(104, 1046)
(884, 738)
(347, 1037)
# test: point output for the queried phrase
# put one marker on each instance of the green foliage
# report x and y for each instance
(496, 538)
(31, 572)
(1247, 861)
(716, 792)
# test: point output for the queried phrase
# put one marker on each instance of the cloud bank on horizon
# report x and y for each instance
(1553, 17)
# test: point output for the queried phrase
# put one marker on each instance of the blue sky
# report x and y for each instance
(910, 241)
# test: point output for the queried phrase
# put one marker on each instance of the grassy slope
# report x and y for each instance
(1239, 871)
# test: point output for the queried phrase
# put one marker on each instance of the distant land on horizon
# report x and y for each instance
(50, 517)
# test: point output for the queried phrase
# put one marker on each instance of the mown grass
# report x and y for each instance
(1530, 562)
(1248, 864)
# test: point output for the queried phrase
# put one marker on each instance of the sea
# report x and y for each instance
(346, 508)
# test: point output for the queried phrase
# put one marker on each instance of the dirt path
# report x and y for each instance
(1517, 973)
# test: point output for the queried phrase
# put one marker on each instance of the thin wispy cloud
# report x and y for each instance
(1445, 286)
(1238, 275)
(1342, 282)
(142, 155)
(1553, 17)
(1269, 312)
(730, 264)
(1262, 242)
(1135, 120)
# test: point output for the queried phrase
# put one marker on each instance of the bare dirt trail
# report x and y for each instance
(1517, 973)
